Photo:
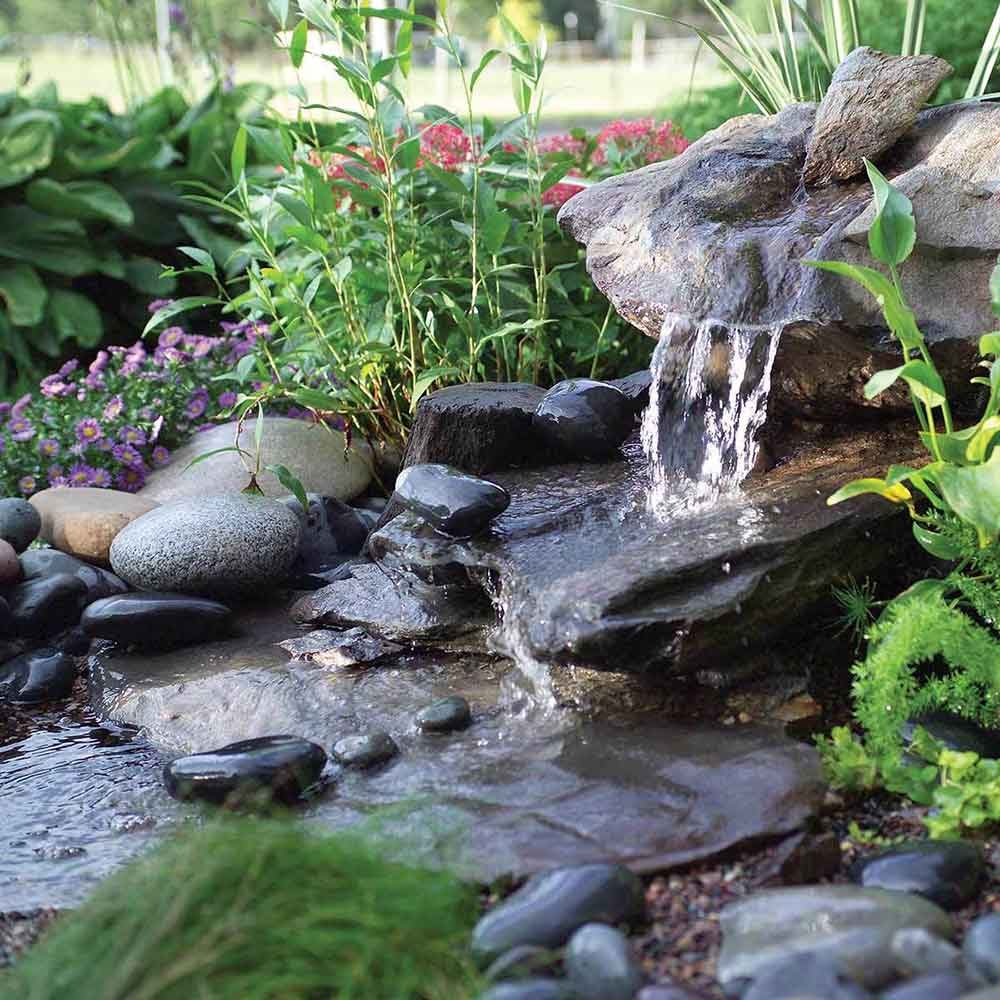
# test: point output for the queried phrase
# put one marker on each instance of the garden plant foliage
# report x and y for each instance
(259, 909)
(91, 205)
(405, 248)
(935, 646)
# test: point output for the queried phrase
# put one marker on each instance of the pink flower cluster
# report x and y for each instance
(642, 141)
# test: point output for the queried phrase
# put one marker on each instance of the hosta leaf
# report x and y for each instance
(83, 200)
(75, 318)
(27, 143)
(24, 295)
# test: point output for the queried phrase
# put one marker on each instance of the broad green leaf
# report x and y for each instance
(291, 483)
(75, 318)
(83, 200)
(58, 245)
(426, 379)
(981, 445)
(297, 48)
(146, 275)
(995, 287)
(24, 295)
(896, 493)
(881, 381)
(202, 258)
(494, 229)
(973, 492)
(924, 382)
(893, 232)
(937, 545)
(177, 307)
(488, 56)
(217, 451)
(27, 144)
(271, 145)
(140, 152)
(279, 9)
(408, 153)
(989, 343)
(952, 447)
(313, 399)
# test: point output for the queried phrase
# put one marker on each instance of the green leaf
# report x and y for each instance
(202, 258)
(488, 56)
(27, 144)
(216, 451)
(973, 493)
(494, 229)
(995, 289)
(297, 48)
(313, 399)
(83, 200)
(895, 493)
(279, 9)
(75, 318)
(937, 545)
(24, 295)
(177, 307)
(271, 145)
(146, 275)
(238, 157)
(881, 381)
(925, 383)
(981, 444)
(426, 379)
(989, 343)
(893, 232)
(291, 483)
(407, 153)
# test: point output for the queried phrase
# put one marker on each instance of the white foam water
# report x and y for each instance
(718, 400)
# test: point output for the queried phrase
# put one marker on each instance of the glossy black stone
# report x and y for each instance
(601, 965)
(151, 619)
(6, 619)
(955, 733)
(38, 563)
(452, 501)
(39, 676)
(275, 768)
(367, 750)
(981, 947)
(46, 606)
(331, 532)
(947, 872)
(20, 523)
(586, 420)
(445, 716)
(551, 906)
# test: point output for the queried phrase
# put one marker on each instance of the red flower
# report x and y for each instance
(559, 194)
(643, 139)
(446, 146)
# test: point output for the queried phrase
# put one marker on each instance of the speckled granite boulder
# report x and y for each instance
(216, 545)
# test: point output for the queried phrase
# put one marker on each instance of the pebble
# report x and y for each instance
(366, 750)
(919, 953)
(584, 419)
(804, 975)
(666, 992)
(45, 606)
(600, 964)
(20, 523)
(336, 648)
(39, 563)
(151, 619)
(209, 546)
(521, 962)
(938, 986)
(279, 768)
(451, 500)
(981, 947)
(947, 872)
(850, 926)
(551, 906)
(10, 565)
(39, 676)
(446, 715)
(530, 989)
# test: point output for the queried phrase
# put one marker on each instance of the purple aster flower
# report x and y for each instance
(157, 304)
(3, 444)
(196, 405)
(130, 480)
(21, 429)
(55, 476)
(126, 455)
(227, 400)
(80, 474)
(132, 435)
(99, 363)
(54, 386)
(114, 409)
(160, 456)
(101, 478)
(172, 355)
(178, 18)
(147, 413)
(5, 410)
(17, 410)
(68, 368)
(171, 337)
(27, 485)
(48, 447)
(104, 445)
(89, 431)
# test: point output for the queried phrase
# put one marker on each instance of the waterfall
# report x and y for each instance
(707, 403)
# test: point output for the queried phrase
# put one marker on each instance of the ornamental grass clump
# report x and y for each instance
(262, 910)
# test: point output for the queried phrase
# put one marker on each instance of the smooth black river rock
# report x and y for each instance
(146, 618)
(451, 500)
(37, 676)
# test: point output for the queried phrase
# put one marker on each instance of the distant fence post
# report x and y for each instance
(163, 42)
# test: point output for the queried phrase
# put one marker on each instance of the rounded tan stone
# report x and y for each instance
(84, 522)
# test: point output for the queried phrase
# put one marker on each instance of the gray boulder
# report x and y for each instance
(216, 545)
(317, 456)
(873, 100)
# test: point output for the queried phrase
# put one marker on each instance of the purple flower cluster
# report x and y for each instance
(111, 424)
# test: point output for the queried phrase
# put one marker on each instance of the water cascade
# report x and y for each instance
(707, 404)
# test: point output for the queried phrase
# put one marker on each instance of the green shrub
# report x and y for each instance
(91, 205)
(259, 910)
(703, 110)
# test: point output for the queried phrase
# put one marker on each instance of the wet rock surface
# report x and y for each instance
(452, 501)
(447, 715)
(804, 975)
(585, 420)
(158, 620)
(19, 523)
(211, 546)
(278, 768)
(872, 101)
(981, 947)
(38, 564)
(588, 576)
(365, 750)
(600, 964)
(47, 605)
(334, 648)
(10, 567)
(38, 676)
(946, 872)
(331, 532)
